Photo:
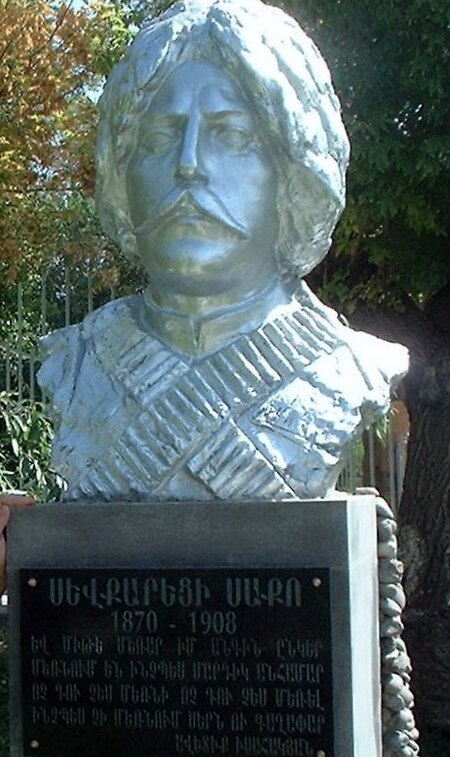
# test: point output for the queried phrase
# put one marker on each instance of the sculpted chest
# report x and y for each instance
(266, 416)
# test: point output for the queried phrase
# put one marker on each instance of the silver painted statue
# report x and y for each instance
(221, 169)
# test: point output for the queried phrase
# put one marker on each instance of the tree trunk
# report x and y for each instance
(424, 514)
(424, 520)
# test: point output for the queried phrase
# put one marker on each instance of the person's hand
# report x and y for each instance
(8, 501)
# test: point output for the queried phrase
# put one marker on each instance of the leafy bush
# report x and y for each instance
(25, 449)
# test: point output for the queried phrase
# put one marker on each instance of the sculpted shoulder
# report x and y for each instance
(306, 425)
(63, 350)
(380, 364)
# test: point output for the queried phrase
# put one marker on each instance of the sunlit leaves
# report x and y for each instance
(25, 445)
(390, 62)
(52, 60)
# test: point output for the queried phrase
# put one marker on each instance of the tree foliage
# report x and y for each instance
(25, 446)
(390, 64)
(52, 59)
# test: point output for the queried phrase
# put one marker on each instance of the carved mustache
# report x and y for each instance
(179, 201)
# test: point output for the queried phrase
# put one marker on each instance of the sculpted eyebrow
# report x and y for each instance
(163, 118)
(223, 115)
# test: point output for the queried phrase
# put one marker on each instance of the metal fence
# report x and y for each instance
(377, 460)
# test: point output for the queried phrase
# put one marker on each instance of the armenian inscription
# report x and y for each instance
(177, 662)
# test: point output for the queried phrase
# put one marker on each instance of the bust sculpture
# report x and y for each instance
(221, 169)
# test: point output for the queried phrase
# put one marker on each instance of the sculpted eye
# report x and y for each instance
(159, 140)
(236, 138)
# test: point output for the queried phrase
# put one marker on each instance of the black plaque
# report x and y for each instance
(176, 662)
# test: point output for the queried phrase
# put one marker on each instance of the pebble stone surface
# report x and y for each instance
(400, 735)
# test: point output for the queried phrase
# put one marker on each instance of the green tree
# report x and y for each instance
(390, 267)
(53, 59)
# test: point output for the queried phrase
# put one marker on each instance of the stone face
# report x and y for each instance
(286, 87)
(277, 622)
(222, 174)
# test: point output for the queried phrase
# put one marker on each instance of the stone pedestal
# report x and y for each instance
(203, 613)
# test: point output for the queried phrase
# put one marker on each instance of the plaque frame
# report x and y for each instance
(336, 534)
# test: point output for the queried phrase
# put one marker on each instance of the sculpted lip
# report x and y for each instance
(188, 213)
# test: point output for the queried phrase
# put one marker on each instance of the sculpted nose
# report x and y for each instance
(189, 168)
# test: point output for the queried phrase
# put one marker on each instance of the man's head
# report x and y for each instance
(286, 84)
